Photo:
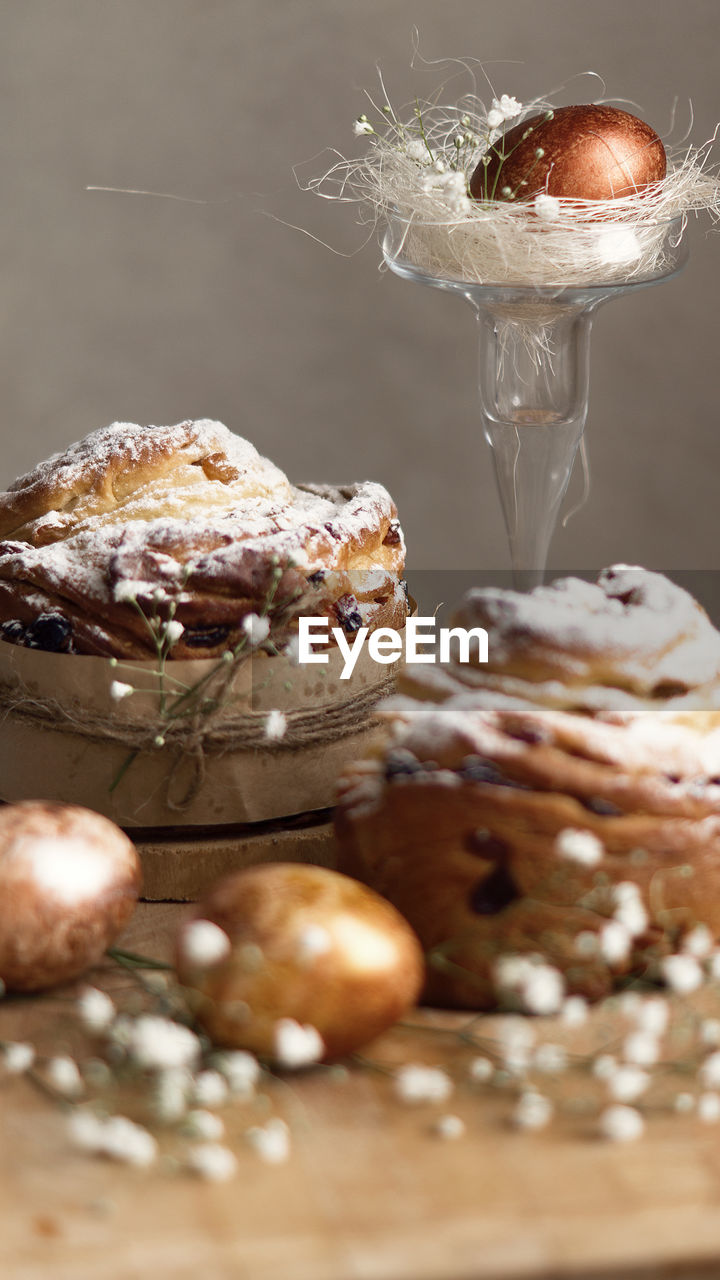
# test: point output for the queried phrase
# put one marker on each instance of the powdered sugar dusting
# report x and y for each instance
(644, 741)
(198, 475)
(632, 630)
(636, 684)
(109, 466)
(133, 513)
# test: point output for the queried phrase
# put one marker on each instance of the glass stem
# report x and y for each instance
(534, 377)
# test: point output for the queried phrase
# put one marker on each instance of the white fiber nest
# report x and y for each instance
(415, 178)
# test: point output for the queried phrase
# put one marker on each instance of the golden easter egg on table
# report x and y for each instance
(297, 963)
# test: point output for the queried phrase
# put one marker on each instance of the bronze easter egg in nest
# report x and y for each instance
(576, 153)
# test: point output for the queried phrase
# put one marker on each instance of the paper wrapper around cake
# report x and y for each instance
(599, 713)
(181, 548)
(230, 774)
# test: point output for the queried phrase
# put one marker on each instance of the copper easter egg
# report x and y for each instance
(577, 153)
(69, 882)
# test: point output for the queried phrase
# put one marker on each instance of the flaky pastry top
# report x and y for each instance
(632, 640)
(633, 630)
(194, 515)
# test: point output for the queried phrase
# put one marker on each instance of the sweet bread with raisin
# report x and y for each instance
(560, 803)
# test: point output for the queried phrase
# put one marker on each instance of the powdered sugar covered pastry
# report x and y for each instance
(510, 802)
(191, 522)
(632, 632)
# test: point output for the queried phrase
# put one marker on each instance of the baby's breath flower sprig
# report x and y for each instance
(16, 1057)
(498, 151)
(169, 1075)
(153, 977)
(645, 1069)
(57, 1077)
(178, 701)
(443, 153)
(530, 1065)
(503, 109)
(362, 127)
(164, 633)
(388, 122)
(421, 127)
(443, 141)
(439, 139)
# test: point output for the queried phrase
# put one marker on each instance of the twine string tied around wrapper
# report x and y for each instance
(191, 741)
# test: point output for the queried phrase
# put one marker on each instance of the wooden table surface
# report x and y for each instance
(369, 1193)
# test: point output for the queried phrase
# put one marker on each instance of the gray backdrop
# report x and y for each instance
(150, 310)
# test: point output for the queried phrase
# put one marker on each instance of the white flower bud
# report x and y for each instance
(212, 1162)
(621, 1124)
(120, 690)
(295, 1045)
(533, 1111)
(576, 845)
(681, 973)
(417, 1083)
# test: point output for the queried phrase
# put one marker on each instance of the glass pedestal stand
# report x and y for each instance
(534, 377)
